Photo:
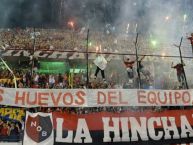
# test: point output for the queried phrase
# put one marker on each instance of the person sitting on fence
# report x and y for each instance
(144, 71)
(180, 72)
(101, 64)
(129, 66)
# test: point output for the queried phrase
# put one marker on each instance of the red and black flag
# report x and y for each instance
(38, 129)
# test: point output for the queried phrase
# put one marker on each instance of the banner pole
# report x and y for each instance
(24, 127)
(33, 52)
(9, 69)
(87, 73)
(182, 62)
(136, 53)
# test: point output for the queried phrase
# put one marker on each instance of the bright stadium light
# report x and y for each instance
(185, 17)
(154, 42)
(163, 55)
(90, 43)
(167, 18)
(97, 49)
(71, 24)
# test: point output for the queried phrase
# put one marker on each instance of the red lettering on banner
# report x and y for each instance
(141, 97)
(170, 97)
(151, 97)
(65, 99)
(166, 96)
(161, 101)
(80, 100)
(1, 97)
(20, 98)
(99, 98)
(56, 99)
(112, 98)
(106, 97)
(163, 98)
(186, 93)
(43, 97)
(31, 102)
(177, 96)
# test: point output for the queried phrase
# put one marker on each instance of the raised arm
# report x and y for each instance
(98, 54)
(142, 58)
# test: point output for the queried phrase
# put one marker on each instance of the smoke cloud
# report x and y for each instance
(163, 22)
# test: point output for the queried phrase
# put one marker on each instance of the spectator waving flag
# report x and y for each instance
(101, 62)
(38, 129)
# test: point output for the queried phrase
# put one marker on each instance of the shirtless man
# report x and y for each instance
(180, 72)
(129, 66)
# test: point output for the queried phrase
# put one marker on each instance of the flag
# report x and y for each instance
(38, 129)
(101, 62)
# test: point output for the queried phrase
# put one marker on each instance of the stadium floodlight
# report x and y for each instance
(154, 42)
(167, 18)
(90, 43)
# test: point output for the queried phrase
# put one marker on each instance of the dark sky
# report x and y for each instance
(95, 13)
(25, 12)
(44, 13)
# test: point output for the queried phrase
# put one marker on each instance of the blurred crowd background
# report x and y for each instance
(69, 71)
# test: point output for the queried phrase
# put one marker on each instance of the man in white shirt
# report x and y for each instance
(51, 81)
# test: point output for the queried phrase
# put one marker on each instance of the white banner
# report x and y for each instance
(94, 97)
(38, 129)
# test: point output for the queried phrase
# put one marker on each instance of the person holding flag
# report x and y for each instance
(101, 64)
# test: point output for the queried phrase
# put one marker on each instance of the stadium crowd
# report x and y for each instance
(57, 39)
(24, 79)
(11, 130)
